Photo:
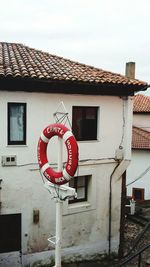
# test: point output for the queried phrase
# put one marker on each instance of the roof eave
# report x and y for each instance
(141, 148)
(68, 87)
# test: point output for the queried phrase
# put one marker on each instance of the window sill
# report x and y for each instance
(77, 208)
(16, 146)
(78, 204)
(88, 141)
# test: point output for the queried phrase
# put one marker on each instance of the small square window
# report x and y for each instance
(138, 194)
(16, 123)
(80, 183)
(84, 123)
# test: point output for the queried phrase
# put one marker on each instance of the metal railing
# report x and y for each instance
(136, 254)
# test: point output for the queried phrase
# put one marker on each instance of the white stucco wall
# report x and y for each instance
(40, 109)
(22, 186)
(139, 163)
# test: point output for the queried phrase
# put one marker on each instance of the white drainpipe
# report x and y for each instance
(127, 127)
(125, 145)
(124, 157)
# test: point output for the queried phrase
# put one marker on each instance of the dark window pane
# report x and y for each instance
(84, 123)
(71, 183)
(77, 122)
(89, 129)
(138, 194)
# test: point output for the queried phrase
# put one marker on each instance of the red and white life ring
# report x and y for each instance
(72, 150)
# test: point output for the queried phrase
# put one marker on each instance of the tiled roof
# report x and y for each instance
(140, 138)
(141, 103)
(18, 60)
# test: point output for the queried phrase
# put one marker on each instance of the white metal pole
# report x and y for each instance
(58, 233)
(59, 212)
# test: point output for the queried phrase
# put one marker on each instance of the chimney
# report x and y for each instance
(130, 70)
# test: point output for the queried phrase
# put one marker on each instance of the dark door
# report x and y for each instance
(10, 232)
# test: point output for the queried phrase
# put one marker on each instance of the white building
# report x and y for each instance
(99, 105)
(138, 182)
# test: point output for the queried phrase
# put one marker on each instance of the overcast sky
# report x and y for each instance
(101, 33)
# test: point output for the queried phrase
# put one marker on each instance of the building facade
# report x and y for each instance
(33, 86)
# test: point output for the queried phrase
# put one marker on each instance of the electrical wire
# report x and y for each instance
(54, 164)
(140, 176)
(26, 164)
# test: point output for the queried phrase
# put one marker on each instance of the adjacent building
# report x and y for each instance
(138, 182)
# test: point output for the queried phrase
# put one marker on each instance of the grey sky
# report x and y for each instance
(102, 33)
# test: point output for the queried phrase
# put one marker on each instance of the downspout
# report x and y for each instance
(123, 156)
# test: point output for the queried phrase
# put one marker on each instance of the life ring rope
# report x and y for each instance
(60, 177)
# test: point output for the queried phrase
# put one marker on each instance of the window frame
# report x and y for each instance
(18, 142)
(90, 204)
(84, 120)
(76, 179)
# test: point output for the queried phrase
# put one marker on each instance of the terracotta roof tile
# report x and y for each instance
(18, 60)
(140, 138)
(141, 103)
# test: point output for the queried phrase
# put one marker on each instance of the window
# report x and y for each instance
(84, 123)
(80, 183)
(138, 194)
(16, 123)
